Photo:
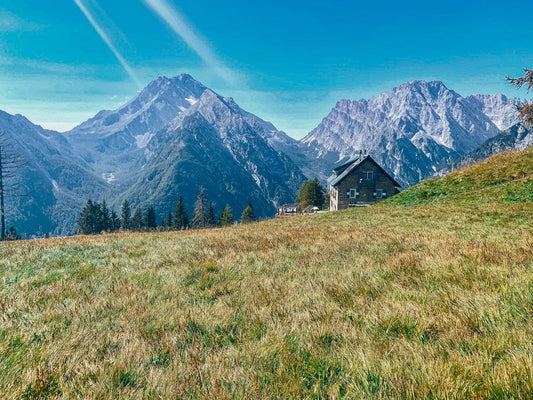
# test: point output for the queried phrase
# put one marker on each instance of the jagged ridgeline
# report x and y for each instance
(173, 138)
(177, 136)
(412, 131)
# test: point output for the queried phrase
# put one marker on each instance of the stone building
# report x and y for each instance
(359, 182)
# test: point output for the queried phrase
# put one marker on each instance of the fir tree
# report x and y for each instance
(201, 209)
(115, 222)
(169, 220)
(125, 215)
(248, 214)
(226, 217)
(105, 218)
(149, 220)
(88, 220)
(181, 218)
(136, 220)
(210, 218)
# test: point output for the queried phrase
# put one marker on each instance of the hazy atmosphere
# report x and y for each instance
(288, 62)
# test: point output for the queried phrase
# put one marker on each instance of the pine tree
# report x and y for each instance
(181, 218)
(169, 221)
(226, 217)
(125, 215)
(149, 220)
(210, 218)
(105, 218)
(201, 209)
(248, 214)
(88, 220)
(115, 222)
(136, 220)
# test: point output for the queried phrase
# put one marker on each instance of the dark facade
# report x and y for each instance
(360, 182)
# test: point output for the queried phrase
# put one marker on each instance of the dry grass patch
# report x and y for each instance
(384, 302)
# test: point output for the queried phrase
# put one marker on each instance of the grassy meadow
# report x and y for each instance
(428, 295)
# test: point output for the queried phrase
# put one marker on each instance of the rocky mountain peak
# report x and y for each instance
(411, 129)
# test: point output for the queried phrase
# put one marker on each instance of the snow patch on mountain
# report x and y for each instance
(109, 177)
(142, 140)
(192, 101)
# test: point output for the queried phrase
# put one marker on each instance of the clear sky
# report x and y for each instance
(62, 61)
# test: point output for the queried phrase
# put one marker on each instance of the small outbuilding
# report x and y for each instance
(360, 182)
(289, 210)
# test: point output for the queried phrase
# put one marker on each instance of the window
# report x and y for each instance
(352, 193)
(368, 175)
(380, 194)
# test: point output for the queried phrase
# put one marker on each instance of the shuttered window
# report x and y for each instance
(352, 193)
(380, 194)
(367, 175)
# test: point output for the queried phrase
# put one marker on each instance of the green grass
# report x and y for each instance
(429, 301)
(504, 178)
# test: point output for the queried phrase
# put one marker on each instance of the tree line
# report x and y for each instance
(96, 217)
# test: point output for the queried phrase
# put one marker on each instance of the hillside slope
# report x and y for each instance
(502, 178)
(54, 182)
(517, 137)
(384, 302)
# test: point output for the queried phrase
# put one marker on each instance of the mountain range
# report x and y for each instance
(177, 136)
(413, 131)
(517, 137)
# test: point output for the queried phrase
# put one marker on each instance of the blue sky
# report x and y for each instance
(286, 61)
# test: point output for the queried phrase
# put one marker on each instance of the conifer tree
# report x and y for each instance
(105, 218)
(136, 220)
(226, 217)
(201, 209)
(125, 215)
(248, 214)
(181, 218)
(210, 218)
(89, 218)
(169, 221)
(115, 222)
(149, 220)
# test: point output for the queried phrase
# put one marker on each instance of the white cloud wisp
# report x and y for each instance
(179, 25)
(108, 42)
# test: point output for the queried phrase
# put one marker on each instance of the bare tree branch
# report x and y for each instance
(10, 180)
(527, 79)
(525, 112)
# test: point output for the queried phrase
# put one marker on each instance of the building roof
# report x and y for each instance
(348, 167)
(340, 169)
(291, 205)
